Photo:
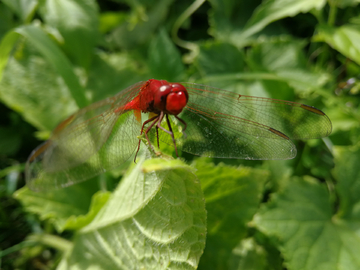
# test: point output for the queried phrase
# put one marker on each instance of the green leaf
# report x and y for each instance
(111, 73)
(129, 35)
(228, 17)
(6, 45)
(77, 22)
(345, 39)
(274, 54)
(230, 26)
(248, 255)
(79, 221)
(32, 88)
(25, 9)
(165, 59)
(310, 237)
(154, 220)
(273, 10)
(56, 58)
(25, 83)
(219, 58)
(109, 20)
(232, 197)
(347, 175)
(7, 20)
(67, 208)
(345, 3)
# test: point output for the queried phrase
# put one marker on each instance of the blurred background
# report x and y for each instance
(59, 56)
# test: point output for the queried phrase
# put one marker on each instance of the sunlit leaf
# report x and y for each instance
(345, 39)
(66, 208)
(264, 14)
(31, 87)
(77, 22)
(23, 8)
(272, 10)
(56, 58)
(153, 220)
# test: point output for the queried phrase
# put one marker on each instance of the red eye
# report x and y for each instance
(176, 102)
(160, 96)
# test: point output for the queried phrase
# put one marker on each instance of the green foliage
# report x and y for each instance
(192, 212)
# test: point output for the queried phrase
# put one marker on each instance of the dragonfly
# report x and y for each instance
(198, 119)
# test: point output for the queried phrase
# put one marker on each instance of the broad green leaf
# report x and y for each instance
(56, 58)
(66, 208)
(285, 59)
(25, 9)
(6, 46)
(31, 87)
(347, 175)
(345, 39)
(272, 10)
(128, 35)
(248, 255)
(232, 197)
(303, 81)
(164, 59)
(77, 22)
(79, 221)
(111, 73)
(276, 54)
(345, 3)
(310, 237)
(280, 173)
(153, 220)
(219, 58)
(229, 19)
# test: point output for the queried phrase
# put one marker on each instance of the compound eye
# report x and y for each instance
(160, 96)
(176, 102)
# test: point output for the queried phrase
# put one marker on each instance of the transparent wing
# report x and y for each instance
(95, 139)
(228, 125)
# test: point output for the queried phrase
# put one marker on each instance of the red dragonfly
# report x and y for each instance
(199, 119)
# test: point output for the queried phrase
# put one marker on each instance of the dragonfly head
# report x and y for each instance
(169, 97)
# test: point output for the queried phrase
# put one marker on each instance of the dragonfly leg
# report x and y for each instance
(157, 136)
(169, 132)
(184, 123)
(154, 119)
